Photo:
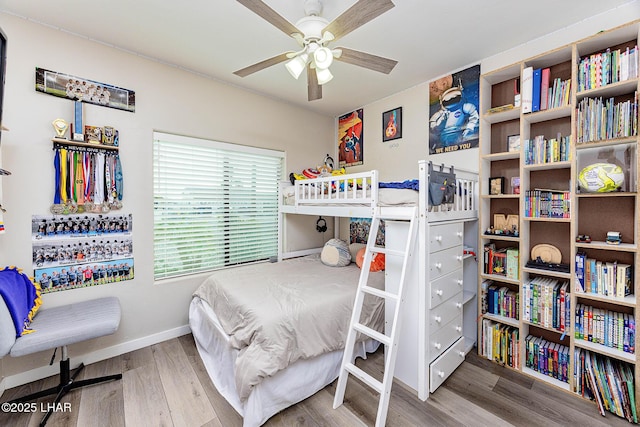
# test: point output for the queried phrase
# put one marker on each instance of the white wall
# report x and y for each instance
(167, 99)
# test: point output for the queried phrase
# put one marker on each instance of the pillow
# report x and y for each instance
(377, 262)
(354, 248)
(335, 253)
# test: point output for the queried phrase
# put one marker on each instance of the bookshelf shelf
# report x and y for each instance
(551, 273)
(608, 351)
(84, 144)
(565, 131)
(546, 378)
(502, 319)
(628, 301)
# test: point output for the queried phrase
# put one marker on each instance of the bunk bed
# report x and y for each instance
(352, 195)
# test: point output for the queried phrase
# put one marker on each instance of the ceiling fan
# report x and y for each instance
(313, 33)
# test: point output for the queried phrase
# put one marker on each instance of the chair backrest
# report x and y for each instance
(7, 330)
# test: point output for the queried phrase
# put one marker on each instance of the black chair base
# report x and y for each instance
(67, 383)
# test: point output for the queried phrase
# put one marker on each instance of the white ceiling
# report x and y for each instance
(214, 38)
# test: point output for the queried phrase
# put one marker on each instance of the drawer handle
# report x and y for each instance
(461, 353)
(439, 292)
(438, 265)
(441, 374)
(459, 234)
(438, 238)
(437, 319)
(437, 346)
(458, 328)
(459, 281)
(458, 305)
(459, 257)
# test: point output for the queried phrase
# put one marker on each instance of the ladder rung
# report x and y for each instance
(380, 293)
(372, 334)
(386, 251)
(364, 377)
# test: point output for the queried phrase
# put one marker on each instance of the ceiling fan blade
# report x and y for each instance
(262, 65)
(314, 90)
(261, 9)
(358, 15)
(366, 60)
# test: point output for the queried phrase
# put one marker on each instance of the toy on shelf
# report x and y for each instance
(614, 237)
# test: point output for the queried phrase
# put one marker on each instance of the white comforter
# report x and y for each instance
(278, 313)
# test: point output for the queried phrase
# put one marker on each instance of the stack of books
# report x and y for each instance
(603, 68)
(540, 150)
(547, 303)
(546, 203)
(608, 381)
(540, 93)
(500, 300)
(547, 358)
(599, 119)
(612, 279)
(606, 327)
(500, 343)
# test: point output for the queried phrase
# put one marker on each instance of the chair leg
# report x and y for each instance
(67, 383)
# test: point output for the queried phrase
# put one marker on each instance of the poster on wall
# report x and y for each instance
(71, 252)
(350, 139)
(359, 231)
(85, 90)
(454, 121)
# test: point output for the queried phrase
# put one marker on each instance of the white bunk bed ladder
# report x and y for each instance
(390, 340)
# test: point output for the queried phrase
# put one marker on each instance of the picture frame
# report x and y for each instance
(392, 124)
(513, 143)
(515, 185)
(496, 186)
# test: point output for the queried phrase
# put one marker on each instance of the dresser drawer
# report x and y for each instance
(445, 312)
(445, 287)
(444, 337)
(445, 236)
(444, 366)
(443, 262)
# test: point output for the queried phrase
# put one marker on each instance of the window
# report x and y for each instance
(215, 204)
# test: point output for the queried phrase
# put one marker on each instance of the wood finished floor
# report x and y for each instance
(166, 385)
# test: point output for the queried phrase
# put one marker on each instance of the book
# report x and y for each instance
(526, 89)
(535, 93)
(544, 88)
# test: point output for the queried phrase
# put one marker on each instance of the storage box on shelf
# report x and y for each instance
(588, 117)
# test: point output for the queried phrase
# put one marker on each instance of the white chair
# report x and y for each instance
(60, 327)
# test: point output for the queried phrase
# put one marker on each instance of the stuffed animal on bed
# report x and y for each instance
(377, 261)
(311, 173)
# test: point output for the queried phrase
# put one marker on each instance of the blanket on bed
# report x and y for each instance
(278, 313)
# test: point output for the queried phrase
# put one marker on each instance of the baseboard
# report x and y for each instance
(96, 356)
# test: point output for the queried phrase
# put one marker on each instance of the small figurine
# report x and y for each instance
(614, 238)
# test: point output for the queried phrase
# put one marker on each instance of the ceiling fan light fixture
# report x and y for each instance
(297, 65)
(323, 57)
(323, 75)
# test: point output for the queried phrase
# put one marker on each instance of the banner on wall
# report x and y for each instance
(80, 89)
(350, 139)
(78, 251)
(454, 121)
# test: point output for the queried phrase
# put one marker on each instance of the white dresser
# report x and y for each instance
(438, 316)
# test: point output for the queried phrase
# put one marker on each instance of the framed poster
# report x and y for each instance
(392, 124)
(454, 121)
(350, 139)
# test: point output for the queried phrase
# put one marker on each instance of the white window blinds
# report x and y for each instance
(215, 204)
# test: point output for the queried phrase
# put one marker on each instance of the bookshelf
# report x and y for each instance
(587, 117)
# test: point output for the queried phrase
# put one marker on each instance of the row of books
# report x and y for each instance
(606, 327)
(539, 92)
(500, 300)
(608, 381)
(500, 343)
(544, 203)
(503, 262)
(603, 68)
(598, 119)
(548, 358)
(547, 303)
(541, 150)
(603, 278)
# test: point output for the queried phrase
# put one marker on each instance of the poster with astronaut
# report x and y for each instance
(350, 139)
(454, 120)
(74, 251)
